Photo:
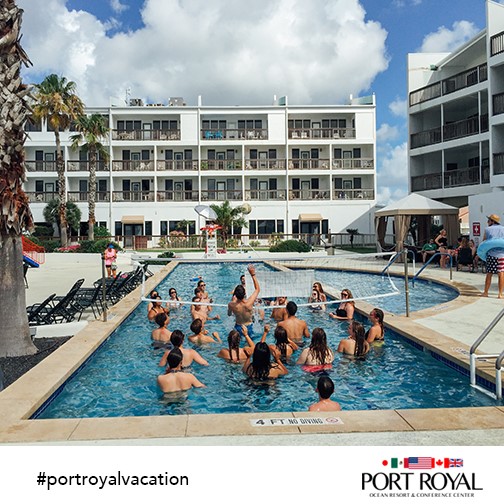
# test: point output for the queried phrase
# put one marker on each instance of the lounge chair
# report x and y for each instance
(465, 258)
(35, 311)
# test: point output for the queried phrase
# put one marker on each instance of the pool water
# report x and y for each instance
(120, 378)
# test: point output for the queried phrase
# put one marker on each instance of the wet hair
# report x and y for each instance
(379, 316)
(242, 277)
(349, 294)
(281, 341)
(197, 291)
(260, 365)
(291, 308)
(177, 338)
(325, 387)
(360, 338)
(318, 346)
(196, 326)
(239, 292)
(234, 338)
(319, 287)
(160, 319)
(201, 282)
(153, 294)
(174, 358)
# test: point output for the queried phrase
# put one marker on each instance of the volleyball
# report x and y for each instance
(246, 208)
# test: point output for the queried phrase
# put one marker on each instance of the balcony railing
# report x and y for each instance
(221, 195)
(41, 197)
(309, 164)
(342, 194)
(426, 182)
(309, 194)
(133, 196)
(84, 166)
(498, 104)
(146, 134)
(177, 164)
(265, 194)
(498, 163)
(423, 138)
(238, 134)
(353, 164)
(80, 196)
(133, 165)
(189, 195)
(462, 177)
(220, 164)
(461, 80)
(327, 133)
(265, 164)
(497, 44)
(460, 129)
(41, 166)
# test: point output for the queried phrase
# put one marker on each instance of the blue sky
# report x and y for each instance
(234, 52)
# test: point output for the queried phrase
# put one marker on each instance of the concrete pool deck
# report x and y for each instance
(450, 328)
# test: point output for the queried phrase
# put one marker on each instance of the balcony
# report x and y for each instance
(177, 164)
(146, 134)
(462, 177)
(426, 182)
(41, 197)
(221, 195)
(498, 104)
(309, 164)
(265, 194)
(265, 164)
(497, 44)
(73, 166)
(309, 194)
(423, 138)
(353, 164)
(133, 196)
(83, 196)
(177, 195)
(220, 164)
(464, 128)
(359, 194)
(498, 163)
(323, 133)
(234, 134)
(133, 165)
(40, 166)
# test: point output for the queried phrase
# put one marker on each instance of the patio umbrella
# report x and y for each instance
(206, 212)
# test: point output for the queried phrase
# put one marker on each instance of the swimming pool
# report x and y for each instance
(120, 378)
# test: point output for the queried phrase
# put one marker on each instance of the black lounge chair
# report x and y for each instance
(35, 311)
(465, 258)
(88, 297)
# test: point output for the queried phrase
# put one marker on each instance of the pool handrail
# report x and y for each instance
(431, 258)
(394, 258)
(473, 358)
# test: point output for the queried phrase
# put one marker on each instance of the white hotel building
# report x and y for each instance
(302, 169)
(456, 122)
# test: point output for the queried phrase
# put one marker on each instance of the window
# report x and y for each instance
(325, 226)
(145, 155)
(295, 226)
(163, 228)
(118, 228)
(357, 183)
(148, 229)
(280, 226)
(39, 186)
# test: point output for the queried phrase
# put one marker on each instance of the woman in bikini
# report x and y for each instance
(356, 344)
(233, 353)
(346, 308)
(157, 307)
(317, 296)
(318, 354)
(376, 332)
(174, 301)
(283, 344)
(259, 366)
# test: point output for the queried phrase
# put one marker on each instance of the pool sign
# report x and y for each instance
(276, 422)
(476, 229)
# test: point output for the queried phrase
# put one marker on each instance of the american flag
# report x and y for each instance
(419, 463)
(453, 462)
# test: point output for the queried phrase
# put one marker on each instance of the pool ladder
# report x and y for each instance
(473, 358)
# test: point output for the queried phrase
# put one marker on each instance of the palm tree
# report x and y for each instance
(72, 214)
(15, 214)
(91, 130)
(229, 218)
(58, 104)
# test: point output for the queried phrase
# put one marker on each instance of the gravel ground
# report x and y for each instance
(14, 367)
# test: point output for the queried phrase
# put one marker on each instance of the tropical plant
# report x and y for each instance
(352, 233)
(15, 215)
(291, 246)
(52, 215)
(92, 130)
(58, 104)
(228, 218)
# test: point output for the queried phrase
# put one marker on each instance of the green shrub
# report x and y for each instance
(50, 245)
(291, 246)
(255, 243)
(168, 254)
(43, 231)
(101, 232)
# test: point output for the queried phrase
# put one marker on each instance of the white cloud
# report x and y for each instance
(446, 40)
(117, 6)
(393, 175)
(399, 108)
(227, 54)
(387, 133)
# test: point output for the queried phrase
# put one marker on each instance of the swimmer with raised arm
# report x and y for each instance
(243, 308)
(234, 353)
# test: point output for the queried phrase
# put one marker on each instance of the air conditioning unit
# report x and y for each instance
(176, 102)
(136, 102)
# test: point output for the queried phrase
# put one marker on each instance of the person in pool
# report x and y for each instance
(243, 308)
(175, 379)
(233, 353)
(283, 344)
(174, 301)
(346, 309)
(376, 332)
(161, 335)
(318, 353)
(260, 367)
(296, 328)
(325, 389)
(280, 313)
(200, 336)
(157, 308)
(356, 343)
(189, 355)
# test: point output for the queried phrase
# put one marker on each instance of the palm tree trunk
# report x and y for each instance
(60, 167)
(92, 193)
(15, 215)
